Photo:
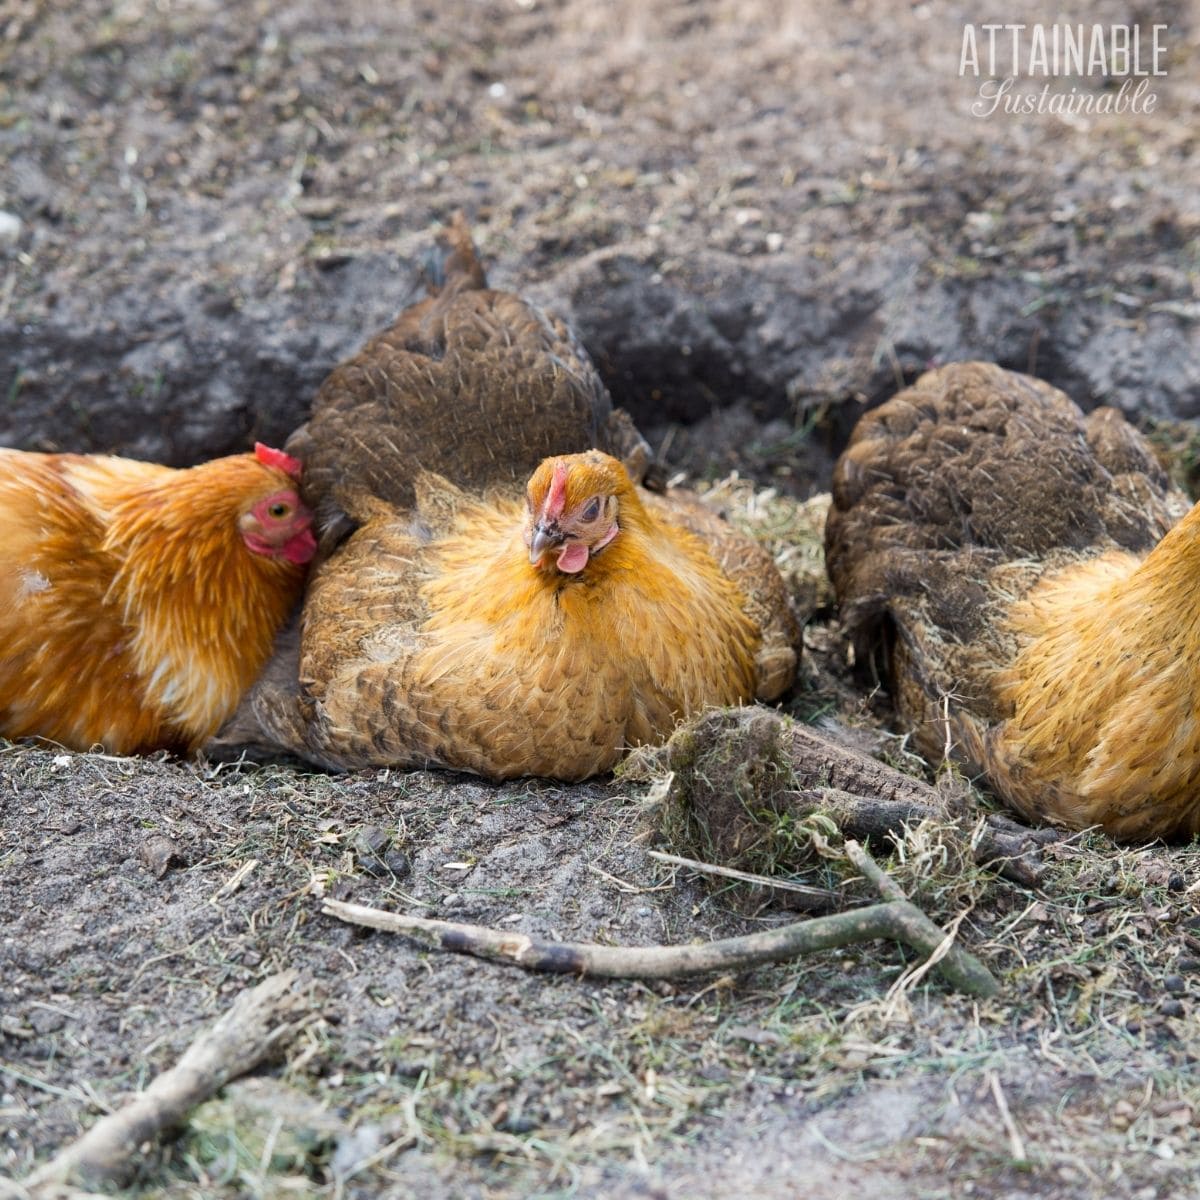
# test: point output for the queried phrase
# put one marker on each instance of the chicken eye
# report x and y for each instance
(279, 510)
(592, 511)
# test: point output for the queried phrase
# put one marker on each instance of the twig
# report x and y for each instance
(257, 1022)
(1015, 1142)
(900, 920)
(623, 885)
(872, 872)
(786, 885)
(41, 1084)
(1004, 845)
(234, 882)
(953, 961)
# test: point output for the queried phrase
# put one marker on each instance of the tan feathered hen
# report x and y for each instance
(510, 601)
(511, 638)
(1008, 562)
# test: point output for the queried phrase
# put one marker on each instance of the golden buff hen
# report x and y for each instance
(1026, 575)
(510, 638)
(510, 601)
(138, 602)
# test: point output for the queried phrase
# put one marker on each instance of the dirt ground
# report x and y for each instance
(761, 216)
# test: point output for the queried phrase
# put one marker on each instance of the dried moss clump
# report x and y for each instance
(731, 770)
(258, 1130)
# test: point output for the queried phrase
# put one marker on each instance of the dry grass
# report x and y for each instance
(793, 532)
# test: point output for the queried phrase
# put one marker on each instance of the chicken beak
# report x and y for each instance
(541, 540)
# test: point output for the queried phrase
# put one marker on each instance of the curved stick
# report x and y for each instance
(897, 919)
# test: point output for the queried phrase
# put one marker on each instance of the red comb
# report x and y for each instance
(276, 458)
(556, 501)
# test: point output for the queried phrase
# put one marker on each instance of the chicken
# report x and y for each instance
(476, 384)
(510, 601)
(516, 638)
(137, 602)
(747, 564)
(1026, 576)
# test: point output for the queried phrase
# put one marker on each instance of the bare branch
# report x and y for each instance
(257, 1023)
(814, 897)
(956, 964)
(899, 920)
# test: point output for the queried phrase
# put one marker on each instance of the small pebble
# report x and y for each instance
(1175, 984)
(46, 1020)
(377, 855)
(157, 853)
(519, 1124)
(370, 840)
(1171, 1008)
(10, 228)
(398, 863)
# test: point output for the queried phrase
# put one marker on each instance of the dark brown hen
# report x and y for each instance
(476, 384)
(1002, 558)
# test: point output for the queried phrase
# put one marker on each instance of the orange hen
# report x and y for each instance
(500, 590)
(512, 637)
(138, 602)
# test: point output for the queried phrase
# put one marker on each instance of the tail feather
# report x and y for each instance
(453, 265)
